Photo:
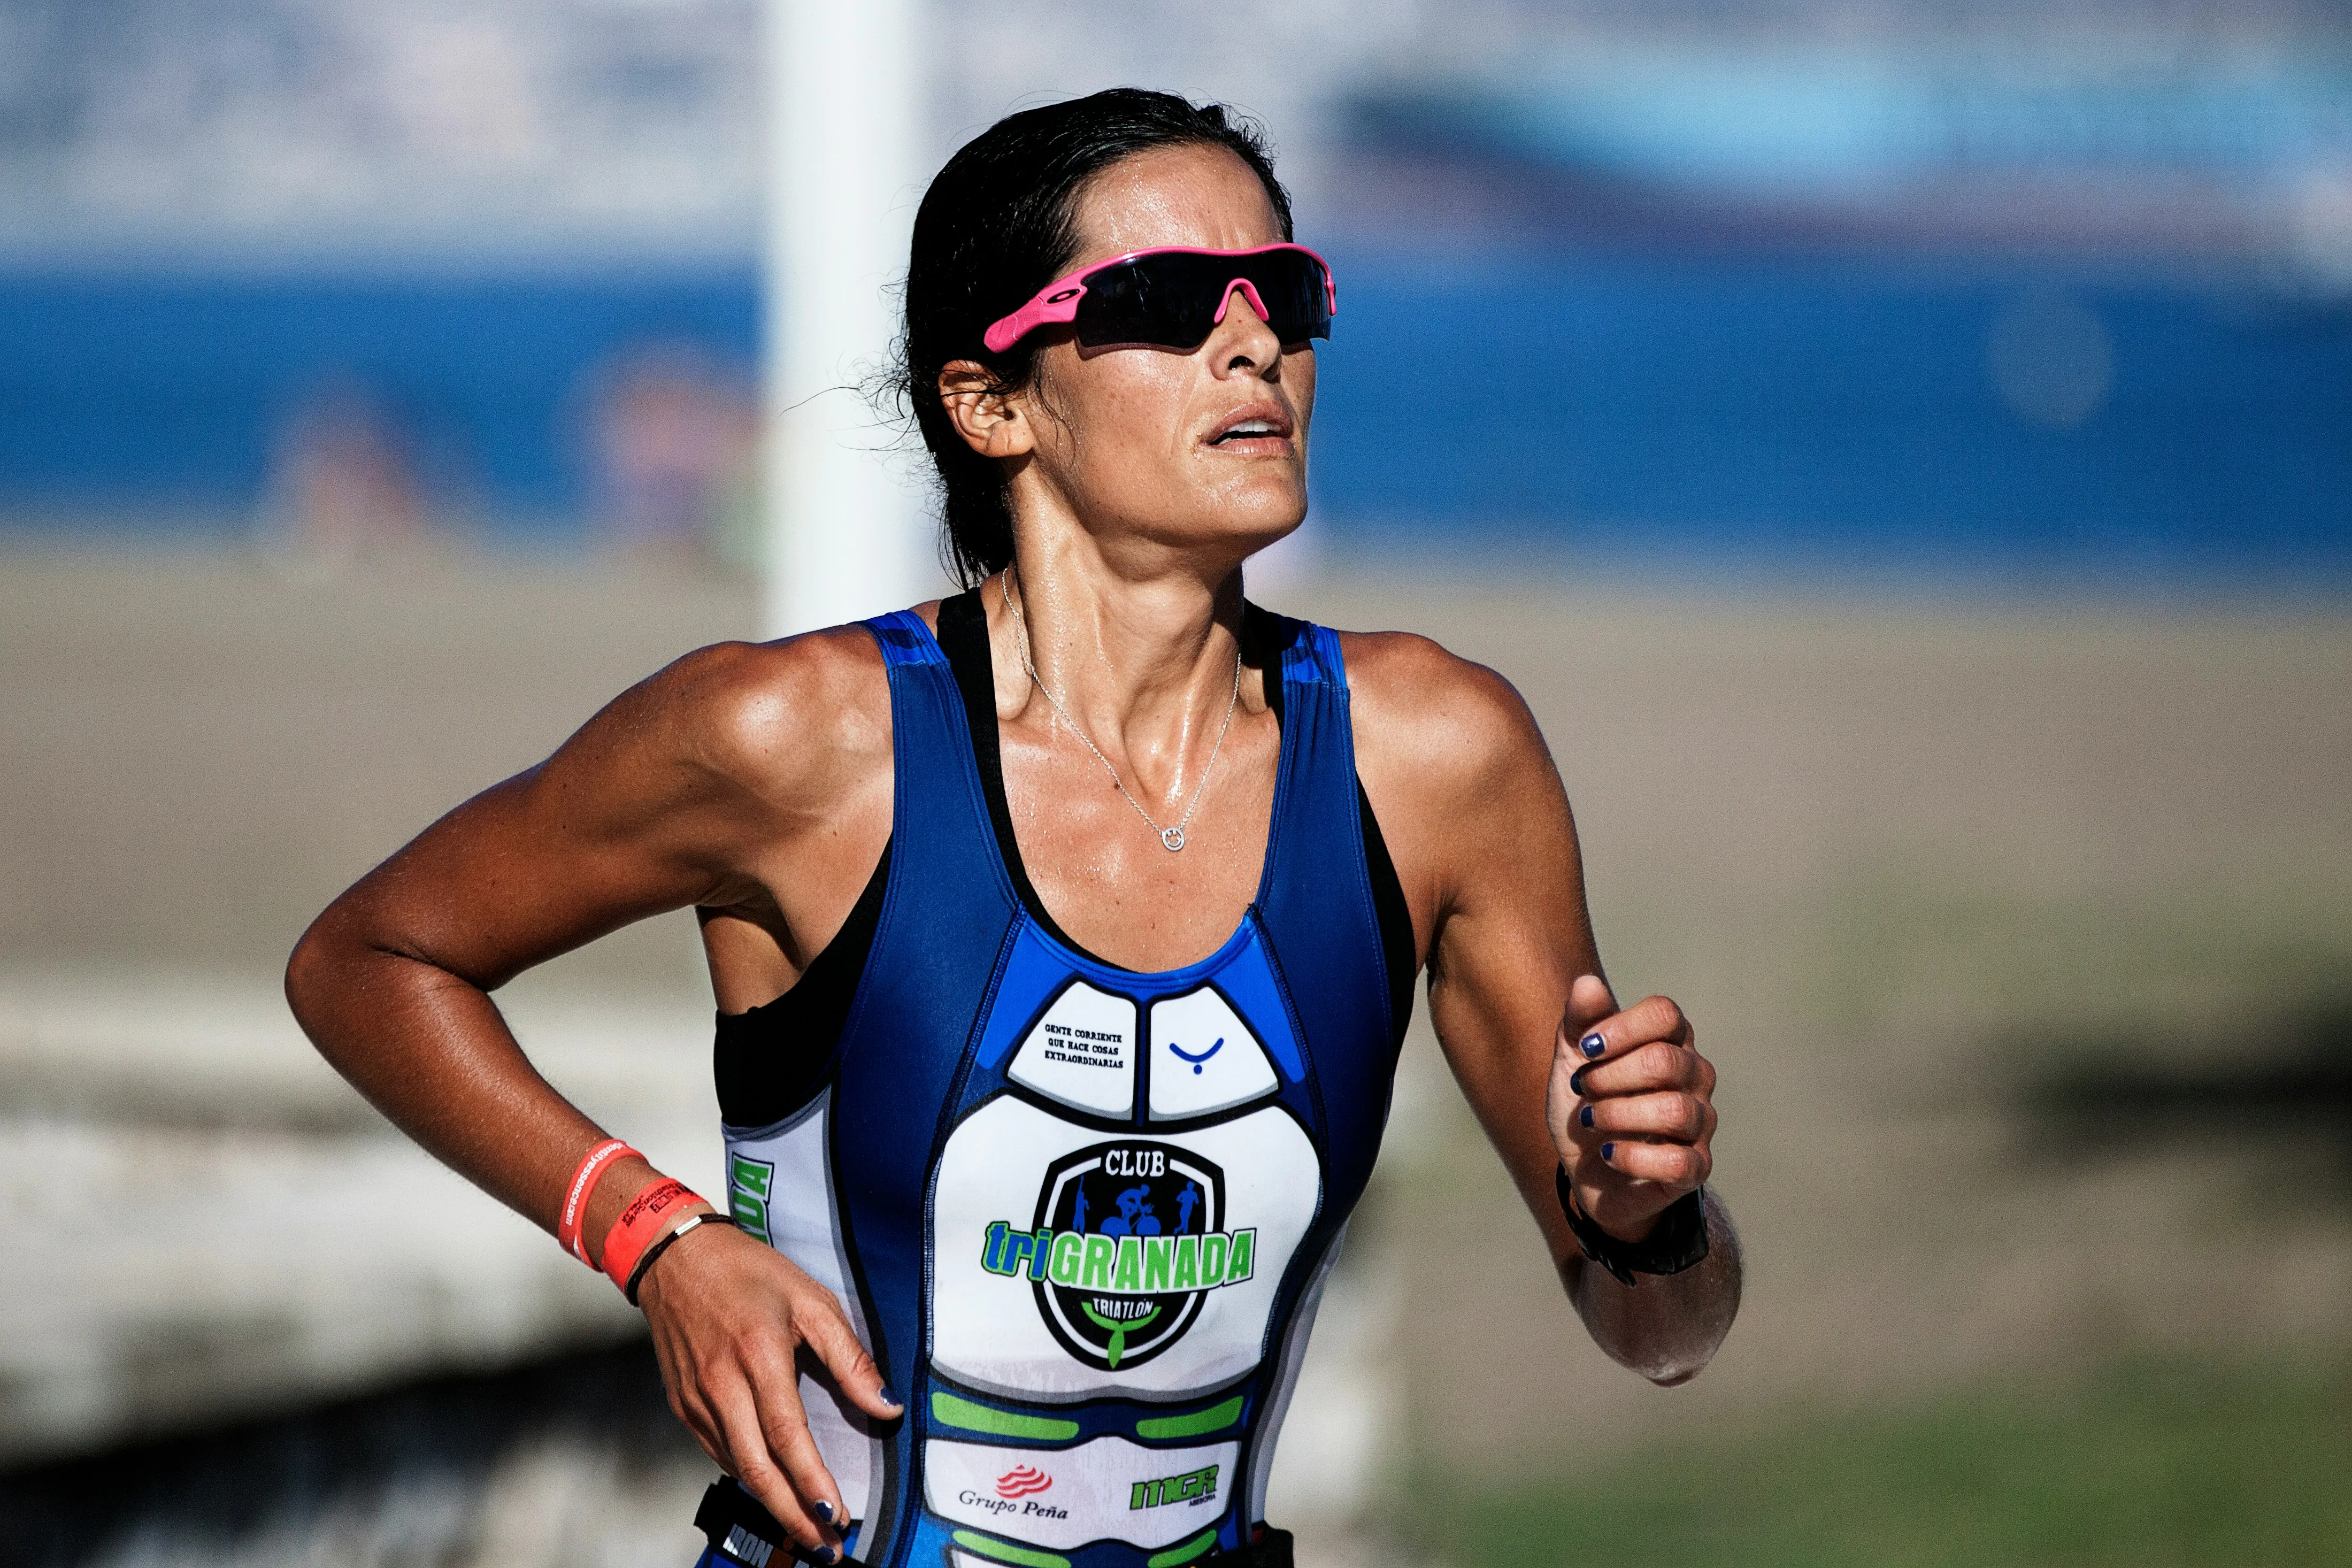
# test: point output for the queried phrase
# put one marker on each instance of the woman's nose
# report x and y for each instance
(1243, 337)
(1247, 291)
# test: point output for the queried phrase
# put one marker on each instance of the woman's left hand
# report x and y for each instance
(1631, 1106)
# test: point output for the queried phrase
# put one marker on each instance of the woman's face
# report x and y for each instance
(1156, 447)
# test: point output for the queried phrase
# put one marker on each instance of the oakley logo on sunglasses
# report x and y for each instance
(1171, 296)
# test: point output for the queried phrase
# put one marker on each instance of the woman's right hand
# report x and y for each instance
(731, 1317)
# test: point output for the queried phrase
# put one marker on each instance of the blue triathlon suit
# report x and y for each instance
(1080, 1216)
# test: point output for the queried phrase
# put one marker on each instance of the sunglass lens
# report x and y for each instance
(1154, 299)
(1170, 299)
(1299, 302)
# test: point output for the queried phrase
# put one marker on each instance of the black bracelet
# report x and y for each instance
(637, 1275)
(1679, 1241)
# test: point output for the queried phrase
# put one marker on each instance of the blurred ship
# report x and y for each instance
(2124, 148)
(448, 132)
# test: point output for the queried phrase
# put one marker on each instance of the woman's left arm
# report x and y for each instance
(1479, 823)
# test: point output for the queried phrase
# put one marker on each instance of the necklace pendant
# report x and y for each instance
(1173, 837)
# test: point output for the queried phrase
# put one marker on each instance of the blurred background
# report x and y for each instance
(1902, 449)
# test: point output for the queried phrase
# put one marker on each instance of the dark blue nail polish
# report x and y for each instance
(890, 1398)
(822, 1510)
(1585, 1116)
(1591, 1044)
(1607, 1150)
(1576, 1081)
(826, 1555)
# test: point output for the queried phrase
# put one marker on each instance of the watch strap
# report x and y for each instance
(1678, 1241)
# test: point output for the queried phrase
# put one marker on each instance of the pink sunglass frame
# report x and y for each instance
(1057, 303)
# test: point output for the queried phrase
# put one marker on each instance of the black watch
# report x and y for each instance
(1679, 1241)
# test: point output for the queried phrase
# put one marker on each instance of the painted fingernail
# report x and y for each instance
(1591, 1044)
(1576, 1081)
(1585, 1116)
(1608, 1149)
(822, 1510)
(826, 1555)
(890, 1398)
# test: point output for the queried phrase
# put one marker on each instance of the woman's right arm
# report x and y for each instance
(704, 787)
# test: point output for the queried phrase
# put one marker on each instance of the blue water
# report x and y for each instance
(123, 392)
(1676, 409)
(1838, 410)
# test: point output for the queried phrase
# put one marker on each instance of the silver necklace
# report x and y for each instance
(1172, 837)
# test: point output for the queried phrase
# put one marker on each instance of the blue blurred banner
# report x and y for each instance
(1866, 413)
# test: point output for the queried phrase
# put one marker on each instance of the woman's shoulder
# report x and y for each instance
(1432, 727)
(1416, 687)
(789, 717)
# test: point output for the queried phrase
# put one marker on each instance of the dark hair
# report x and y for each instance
(997, 225)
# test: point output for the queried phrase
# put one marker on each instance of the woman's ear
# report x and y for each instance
(993, 422)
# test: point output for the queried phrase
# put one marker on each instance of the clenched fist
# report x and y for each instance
(1629, 1105)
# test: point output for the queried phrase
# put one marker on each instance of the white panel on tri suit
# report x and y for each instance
(1108, 1489)
(1069, 1263)
(780, 1188)
(1082, 1052)
(1203, 1058)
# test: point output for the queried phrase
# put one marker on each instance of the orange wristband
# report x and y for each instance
(640, 1223)
(575, 1196)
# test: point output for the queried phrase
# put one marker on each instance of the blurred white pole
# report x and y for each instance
(845, 537)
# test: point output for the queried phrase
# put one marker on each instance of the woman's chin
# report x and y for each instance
(1226, 541)
(1257, 514)
(1212, 531)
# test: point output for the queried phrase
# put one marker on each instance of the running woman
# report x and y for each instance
(1062, 933)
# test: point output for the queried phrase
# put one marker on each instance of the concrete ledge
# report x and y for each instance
(206, 1221)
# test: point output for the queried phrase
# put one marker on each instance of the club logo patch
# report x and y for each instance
(1127, 1240)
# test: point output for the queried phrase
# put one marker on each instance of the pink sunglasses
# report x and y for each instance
(1173, 296)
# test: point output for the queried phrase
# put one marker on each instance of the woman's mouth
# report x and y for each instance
(1256, 432)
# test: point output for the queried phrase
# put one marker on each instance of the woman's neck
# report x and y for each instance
(1143, 662)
